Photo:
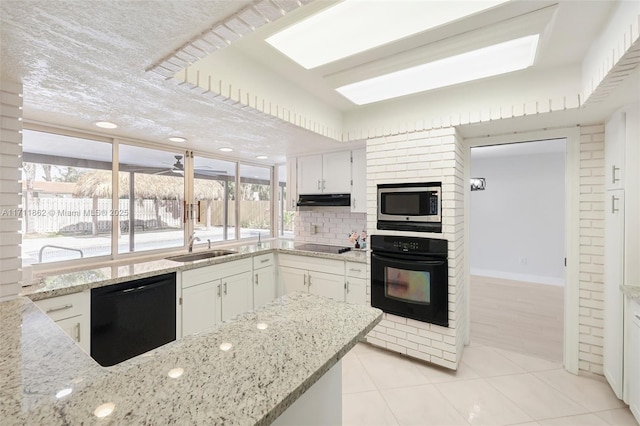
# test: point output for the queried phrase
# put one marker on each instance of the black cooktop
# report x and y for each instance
(322, 248)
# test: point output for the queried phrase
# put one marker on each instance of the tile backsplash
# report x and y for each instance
(331, 227)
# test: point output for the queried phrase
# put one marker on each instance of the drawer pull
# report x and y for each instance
(225, 288)
(78, 332)
(257, 279)
(264, 260)
(61, 308)
(355, 270)
(614, 169)
(613, 204)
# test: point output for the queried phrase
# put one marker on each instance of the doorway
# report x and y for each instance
(517, 247)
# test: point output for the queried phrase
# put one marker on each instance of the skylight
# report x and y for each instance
(353, 26)
(496, 59)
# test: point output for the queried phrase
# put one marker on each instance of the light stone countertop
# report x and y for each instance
(114, 272)
(253, 383)
(631, 291)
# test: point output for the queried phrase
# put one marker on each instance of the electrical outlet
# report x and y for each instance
(523, 260)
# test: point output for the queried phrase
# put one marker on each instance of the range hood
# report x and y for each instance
(324, 200)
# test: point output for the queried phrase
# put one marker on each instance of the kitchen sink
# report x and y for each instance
(189, 257)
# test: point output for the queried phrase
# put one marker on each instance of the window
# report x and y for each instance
(285, 217)
(66, 199)
(151, 189)
(255, 201)
(214, 188)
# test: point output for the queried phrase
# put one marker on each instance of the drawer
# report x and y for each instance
(67, 306)
(263, 260)
(356, 270)
(310, 263)
(208, 273)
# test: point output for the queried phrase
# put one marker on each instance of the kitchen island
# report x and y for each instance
(247, 371)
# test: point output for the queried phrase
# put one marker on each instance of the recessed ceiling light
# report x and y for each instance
(262, 157)
(177, 139)
(104, 410)
(353, 26)
(497, 59)
(105, 125)
(226, 149)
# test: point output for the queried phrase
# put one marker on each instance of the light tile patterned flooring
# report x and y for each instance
(492, 387)
(511, 374)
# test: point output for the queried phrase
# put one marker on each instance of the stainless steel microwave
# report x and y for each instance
(410, 206)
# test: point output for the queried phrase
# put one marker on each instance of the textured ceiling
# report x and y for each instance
(83, 61)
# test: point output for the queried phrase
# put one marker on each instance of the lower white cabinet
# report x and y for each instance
(72, 312)
(216, 293)
(634, 357)
(265, 289)
(324, 277)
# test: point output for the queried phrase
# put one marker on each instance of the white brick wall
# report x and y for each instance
(591, 312)
(10, 188)
(434, 155)
(333, 228)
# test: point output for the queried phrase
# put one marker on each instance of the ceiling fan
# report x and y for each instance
(178, 168)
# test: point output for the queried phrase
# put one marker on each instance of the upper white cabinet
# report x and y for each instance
(614, 147)
(326, 173)
(359, 181)
(72, 313)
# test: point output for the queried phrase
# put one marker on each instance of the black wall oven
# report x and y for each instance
(409, 277)
(410, 206)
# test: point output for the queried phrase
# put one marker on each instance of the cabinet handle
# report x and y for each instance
(264, 260)
(257, 279)
(309, 280)
(323, 182)
(225, 288)
(613, 174)
(354, 203)
(318, 183)
(61, 308)
(355, 270)
(219, 290)
(613, 204)
(346, 286)
(78, 332)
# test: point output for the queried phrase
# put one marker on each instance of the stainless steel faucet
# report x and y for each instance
(192, 239)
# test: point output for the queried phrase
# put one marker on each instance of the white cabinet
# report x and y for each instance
(264, 280)
(634, 356)
(324, 277)
(292, 185)
(359, 181)
(615, 136)
(72, 312)
(327, 173)
(237, 295)
(356, 283)
(215, 293)
(613, 298)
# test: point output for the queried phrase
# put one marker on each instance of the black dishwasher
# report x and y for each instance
(132, 318)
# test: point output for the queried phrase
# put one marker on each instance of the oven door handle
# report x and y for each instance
(409, 260)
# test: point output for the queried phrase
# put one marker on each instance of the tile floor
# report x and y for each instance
(493, 386)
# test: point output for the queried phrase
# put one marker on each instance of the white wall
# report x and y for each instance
(517, 223)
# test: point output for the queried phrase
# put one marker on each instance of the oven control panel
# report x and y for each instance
(414, 245)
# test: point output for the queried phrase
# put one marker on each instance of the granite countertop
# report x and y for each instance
(113, 272)
(632, 291)
(47, 379)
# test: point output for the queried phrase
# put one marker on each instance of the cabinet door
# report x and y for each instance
(293, 280)
(310, 174)
(336, 173)
(356, 291)
(200, 305)
(614, 147)
(292, 185)
(634, 352)
(264, 286)
(237, 295)
(613, 298)
(78, 330)
(359, 181)
(327, 285)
